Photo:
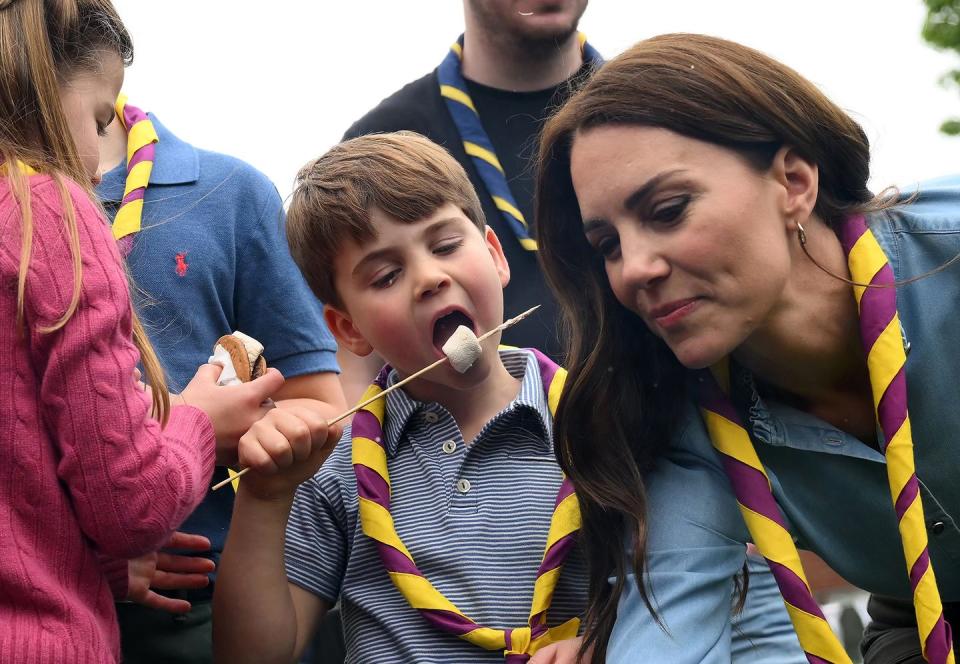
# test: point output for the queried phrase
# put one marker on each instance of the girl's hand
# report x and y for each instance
(285, 448)
(232, 409)
(562, 652)
(169, 571)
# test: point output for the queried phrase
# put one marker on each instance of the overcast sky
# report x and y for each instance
(276, 83)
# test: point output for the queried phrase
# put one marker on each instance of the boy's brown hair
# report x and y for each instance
(403, 174)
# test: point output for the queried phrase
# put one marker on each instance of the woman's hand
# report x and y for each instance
(285, 448)
(169, 571)
(561, 652)
(232, 409)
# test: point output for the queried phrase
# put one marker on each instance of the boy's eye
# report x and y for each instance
(448, 247)
(387, 280)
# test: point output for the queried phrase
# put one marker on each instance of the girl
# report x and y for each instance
(87, 477)
(728, 283)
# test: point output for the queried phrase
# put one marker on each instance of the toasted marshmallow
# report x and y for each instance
(462, 349)
(253, 347)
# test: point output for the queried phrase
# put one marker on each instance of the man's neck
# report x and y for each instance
(506, 65)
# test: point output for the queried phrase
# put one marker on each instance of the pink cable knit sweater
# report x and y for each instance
(84, 471)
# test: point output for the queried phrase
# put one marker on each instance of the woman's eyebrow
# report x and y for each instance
(643, 192)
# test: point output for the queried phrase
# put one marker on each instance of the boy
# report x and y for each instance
(471, 479)
(472, 473)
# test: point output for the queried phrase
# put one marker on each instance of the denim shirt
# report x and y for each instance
(832, 487)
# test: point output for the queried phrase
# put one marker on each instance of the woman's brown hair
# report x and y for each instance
(43, 43)
(704, 88)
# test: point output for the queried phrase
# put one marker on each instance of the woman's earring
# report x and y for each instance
(801, 234)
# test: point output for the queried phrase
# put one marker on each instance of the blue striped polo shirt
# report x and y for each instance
(474, 517)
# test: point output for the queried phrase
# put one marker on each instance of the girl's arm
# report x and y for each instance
(130, 482)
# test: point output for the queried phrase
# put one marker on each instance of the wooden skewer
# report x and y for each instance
(504, 325)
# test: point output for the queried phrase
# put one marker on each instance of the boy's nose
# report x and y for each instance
(430, 284)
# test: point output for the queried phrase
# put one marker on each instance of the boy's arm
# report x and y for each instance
(259, 615)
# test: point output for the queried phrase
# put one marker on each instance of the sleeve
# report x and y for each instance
(316, 547)
(274, 303)
(130, 482)
(696, 546)
(762, 631)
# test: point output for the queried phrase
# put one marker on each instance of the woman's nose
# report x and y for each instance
(642, 263)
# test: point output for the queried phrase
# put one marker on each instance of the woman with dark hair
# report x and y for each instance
(740, 310)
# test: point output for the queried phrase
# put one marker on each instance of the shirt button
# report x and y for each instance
(431, 418)
(463, 485)
(937, 527)
(450, 447)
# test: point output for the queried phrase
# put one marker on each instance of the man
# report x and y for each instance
(208, 256)
(520, 59)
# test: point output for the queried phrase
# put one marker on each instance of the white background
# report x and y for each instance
(277, 83)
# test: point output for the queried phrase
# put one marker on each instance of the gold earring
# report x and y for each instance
(801, 234)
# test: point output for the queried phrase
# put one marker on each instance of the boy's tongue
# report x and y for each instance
(445, 327)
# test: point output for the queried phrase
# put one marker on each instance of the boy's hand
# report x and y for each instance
(285, 448)
(562, 652)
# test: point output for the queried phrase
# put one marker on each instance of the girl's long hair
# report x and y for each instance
(42, 44)
(625, 388)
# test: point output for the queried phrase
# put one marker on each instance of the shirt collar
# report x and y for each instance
(520, 363)
(174, 162)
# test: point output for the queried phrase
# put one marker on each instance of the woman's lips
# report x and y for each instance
(672, 313)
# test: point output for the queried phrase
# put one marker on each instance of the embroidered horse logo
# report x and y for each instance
(182, 264)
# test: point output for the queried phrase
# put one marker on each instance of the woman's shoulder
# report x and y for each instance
(932, 206)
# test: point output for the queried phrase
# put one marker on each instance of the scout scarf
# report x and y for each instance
(141, 137)
(453, 89)
(373, 487)
(886, 360)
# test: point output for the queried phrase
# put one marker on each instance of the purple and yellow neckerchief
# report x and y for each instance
(886, 362)
(373, 487)
(141, 138)
(453, 89)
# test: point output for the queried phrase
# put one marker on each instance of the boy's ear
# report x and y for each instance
(344, 331)
(799, 179)
(499, 259)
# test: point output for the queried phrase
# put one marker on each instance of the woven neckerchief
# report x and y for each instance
(453, 89)
(141, 138)
(886, 360)
(373, 487)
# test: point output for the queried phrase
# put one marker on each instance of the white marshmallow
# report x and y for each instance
(462, 349)
(253, 347)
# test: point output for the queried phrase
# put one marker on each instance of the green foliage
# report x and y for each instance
(942, 29)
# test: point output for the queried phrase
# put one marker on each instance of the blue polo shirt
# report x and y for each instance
(212, 258)
(832, 487)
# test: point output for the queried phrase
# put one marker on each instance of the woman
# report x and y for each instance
(697, 202)
(88, 479)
